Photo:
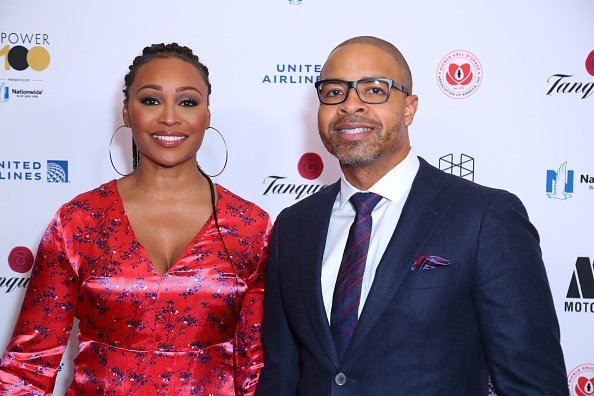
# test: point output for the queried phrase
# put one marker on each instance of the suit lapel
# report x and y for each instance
(315, 234)
(416, 223)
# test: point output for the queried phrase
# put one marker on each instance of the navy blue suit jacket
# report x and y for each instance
(434, 332)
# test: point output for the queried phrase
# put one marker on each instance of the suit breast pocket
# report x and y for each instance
(430, 278)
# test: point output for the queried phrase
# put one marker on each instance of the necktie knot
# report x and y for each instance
(365, 202)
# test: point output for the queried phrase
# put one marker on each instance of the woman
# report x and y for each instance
(163, 268)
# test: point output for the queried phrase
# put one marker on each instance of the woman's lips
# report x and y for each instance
(168, 139)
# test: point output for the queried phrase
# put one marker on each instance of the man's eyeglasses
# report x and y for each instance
(369, 90)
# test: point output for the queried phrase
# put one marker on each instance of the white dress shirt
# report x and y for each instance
(394, 187)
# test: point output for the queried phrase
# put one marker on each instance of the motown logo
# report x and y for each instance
(459, 74)
(560, 182)
(464, 168)
(581, 380)
(581, 287)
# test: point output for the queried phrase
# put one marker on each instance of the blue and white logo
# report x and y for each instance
(57, 171)
(295, 2)
(4, 92)
(560, 182)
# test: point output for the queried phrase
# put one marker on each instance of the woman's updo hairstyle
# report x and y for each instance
(162, 51)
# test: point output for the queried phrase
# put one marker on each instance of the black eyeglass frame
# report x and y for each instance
(353, 84)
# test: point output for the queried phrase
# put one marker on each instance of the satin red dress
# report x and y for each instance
(193, 331)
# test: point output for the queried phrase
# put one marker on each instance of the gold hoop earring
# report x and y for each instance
(111, 157)
(226, 152)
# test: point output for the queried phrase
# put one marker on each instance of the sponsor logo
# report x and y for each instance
(293, 74)
(581, 287)
(459, 74)
(560, 183)
(22, 51)
(55, 171)
(581, 380)
(309, 166)
(590, 63)
(4, 92)
(20, 259)
(295, 2)
(562, 83)
(463, 168)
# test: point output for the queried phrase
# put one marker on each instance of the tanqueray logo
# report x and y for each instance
(561, 83)
(463, 168)
(309, 166)
(560, 182)
(20, 260)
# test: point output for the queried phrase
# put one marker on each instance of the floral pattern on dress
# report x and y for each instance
(194, 330)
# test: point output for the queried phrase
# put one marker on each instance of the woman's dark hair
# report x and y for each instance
(162, 51)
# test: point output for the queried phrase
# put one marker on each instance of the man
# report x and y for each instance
(426, 285)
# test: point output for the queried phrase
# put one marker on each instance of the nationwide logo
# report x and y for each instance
(581, 380)
(561, 83)
(581, 287)
(309, 166)
(459, 74)
(4, 92)
(463, 168)
(20, 259)
(560, 182)
(55, 171)
(22, 51)
(294, 73)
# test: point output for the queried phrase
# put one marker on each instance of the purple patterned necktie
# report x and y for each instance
(347, 292)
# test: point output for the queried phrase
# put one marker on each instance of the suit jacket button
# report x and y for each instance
(340, 379)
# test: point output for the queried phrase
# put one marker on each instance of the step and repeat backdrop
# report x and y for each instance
(506, 98)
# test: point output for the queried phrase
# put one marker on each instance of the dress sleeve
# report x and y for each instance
(248, 357)
(43, 327)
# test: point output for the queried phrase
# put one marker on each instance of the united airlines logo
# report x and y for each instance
(560, 182)
(463, 168)
(57, 171)
(581, 287)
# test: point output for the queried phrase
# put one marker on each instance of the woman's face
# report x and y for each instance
(167, 111)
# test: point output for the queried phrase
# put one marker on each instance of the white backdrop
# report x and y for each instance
(521, 120)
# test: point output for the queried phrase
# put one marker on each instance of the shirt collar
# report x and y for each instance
(393, 185)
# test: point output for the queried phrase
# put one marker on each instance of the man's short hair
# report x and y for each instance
(389, 48)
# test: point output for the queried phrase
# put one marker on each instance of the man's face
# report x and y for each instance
(358, 133)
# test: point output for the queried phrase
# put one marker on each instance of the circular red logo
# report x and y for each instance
(20, 259)
(310, 166)
(581, 380)
(590, 63)
(459, 74)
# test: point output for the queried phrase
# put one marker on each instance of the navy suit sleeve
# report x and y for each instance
(516, 312)
(281, 370)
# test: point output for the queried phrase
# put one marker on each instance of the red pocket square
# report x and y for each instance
(423, 263)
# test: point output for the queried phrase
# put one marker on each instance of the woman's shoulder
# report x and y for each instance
(103, 196)
(234, 205)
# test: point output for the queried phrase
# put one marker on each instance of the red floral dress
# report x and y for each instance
(193, 330)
